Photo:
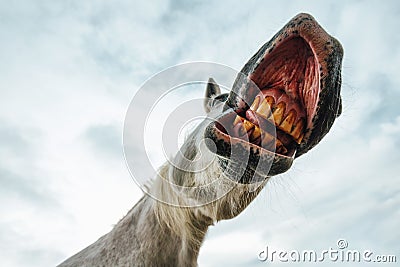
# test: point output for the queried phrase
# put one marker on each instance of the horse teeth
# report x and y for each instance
(300, 138)
(278, 113)
(278, 143)
(287, 123)
(270, 100)
(266, 139)
(281, 149)
(264, 110)
(298, 131)
(256, 133)
(237, 120)
(254, 106)
(247, 125)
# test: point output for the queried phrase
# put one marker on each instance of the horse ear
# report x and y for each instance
(212, 91)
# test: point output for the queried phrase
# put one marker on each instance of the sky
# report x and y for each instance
(69, 70)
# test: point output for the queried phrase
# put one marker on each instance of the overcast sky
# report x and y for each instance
(68, 70)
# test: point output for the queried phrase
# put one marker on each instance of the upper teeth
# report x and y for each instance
(264, 110)
(298, 131)
(278, 113)
(247, 125)
(255, 104)
(265, 107)
(256, 133)
(287, 123)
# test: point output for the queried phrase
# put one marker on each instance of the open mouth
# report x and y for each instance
(278, 116)
(283, 102)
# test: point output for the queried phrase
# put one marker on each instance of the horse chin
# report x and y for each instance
(242, 161)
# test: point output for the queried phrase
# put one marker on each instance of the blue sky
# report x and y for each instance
(69, 69)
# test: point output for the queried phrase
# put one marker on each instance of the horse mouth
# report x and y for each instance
(285, 102)
(286, 84)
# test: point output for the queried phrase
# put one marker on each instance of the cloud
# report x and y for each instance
(106, 139)
(19, 177)
(18, 249)
(70, 69)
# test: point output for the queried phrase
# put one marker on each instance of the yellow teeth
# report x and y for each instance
(254, 106)
(278, 143)
(264, 110)
(280, 148)
(300, 138)
(256, 133)
(298, 131)
(270, 100)
(268, 109)
(266, 139)
(237, 120)
(278, 113)
(247, 125)
(287, 123)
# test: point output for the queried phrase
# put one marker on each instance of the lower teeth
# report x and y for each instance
(252, 133)
(266, 108)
